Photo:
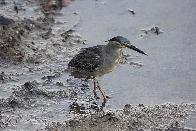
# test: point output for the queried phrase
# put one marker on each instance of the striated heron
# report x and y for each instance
(93, 62)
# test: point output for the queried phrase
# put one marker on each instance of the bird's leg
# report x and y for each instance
(105, 99)
(94, 91)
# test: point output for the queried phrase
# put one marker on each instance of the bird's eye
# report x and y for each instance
(123, 44)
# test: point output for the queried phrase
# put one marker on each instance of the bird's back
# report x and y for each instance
(87, 62)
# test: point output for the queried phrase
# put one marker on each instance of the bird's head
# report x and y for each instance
(122, 42)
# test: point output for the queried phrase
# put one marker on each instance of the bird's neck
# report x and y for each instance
(115, 53)
(111, 58)
(111, 48)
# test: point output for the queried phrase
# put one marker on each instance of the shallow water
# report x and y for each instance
(169, 70)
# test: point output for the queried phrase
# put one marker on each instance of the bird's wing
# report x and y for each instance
(88, 59)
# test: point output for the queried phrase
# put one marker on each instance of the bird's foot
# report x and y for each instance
(95, 94)
(94, 91)
(108, 97)
(105, 98)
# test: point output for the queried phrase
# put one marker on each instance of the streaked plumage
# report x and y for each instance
(98, 60)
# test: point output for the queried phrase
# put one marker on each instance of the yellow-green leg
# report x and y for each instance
(100, 88)
(94, 91)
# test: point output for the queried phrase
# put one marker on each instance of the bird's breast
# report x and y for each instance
(111, 61)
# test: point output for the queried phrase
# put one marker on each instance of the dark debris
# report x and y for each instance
(156, 30)
(2, 2)
(5, 21)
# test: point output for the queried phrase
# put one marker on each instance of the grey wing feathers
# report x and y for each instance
(88, 59)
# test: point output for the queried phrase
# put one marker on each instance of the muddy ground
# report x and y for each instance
(37, 92)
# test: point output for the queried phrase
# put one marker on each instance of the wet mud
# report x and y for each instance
(37, 92)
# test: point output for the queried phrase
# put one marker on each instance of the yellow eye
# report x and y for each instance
(123, 43)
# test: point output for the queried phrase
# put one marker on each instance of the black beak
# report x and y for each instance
(134, 48)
